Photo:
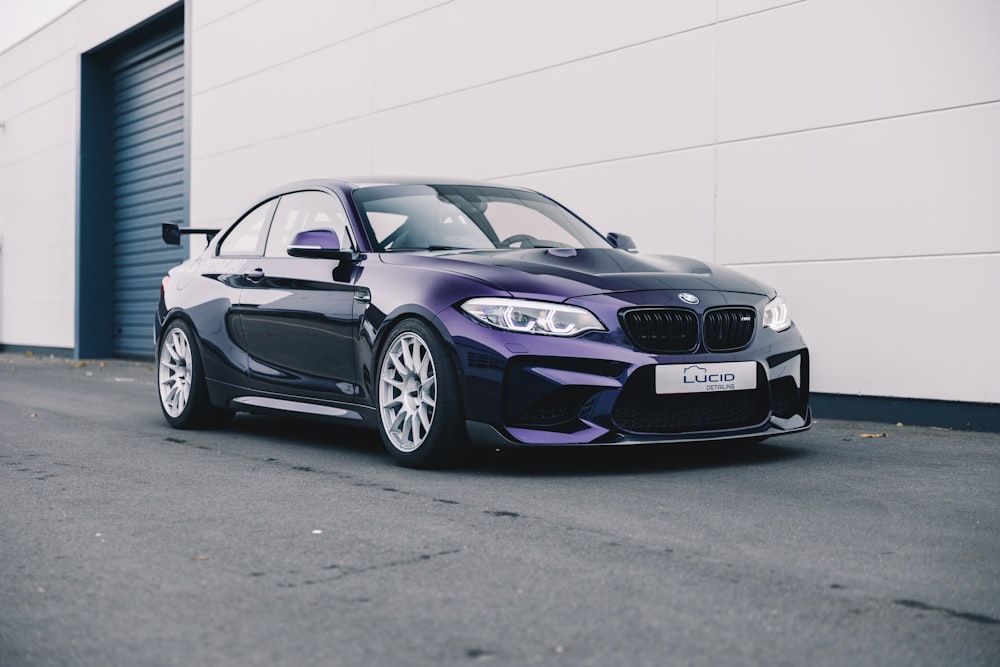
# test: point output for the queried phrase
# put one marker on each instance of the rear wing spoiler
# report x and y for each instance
(172, 233)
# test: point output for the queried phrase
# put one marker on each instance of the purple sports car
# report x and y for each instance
(453, 313)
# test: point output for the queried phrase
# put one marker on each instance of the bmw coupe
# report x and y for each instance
(445, 314)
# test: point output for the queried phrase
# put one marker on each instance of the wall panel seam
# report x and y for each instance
(73, 49)
(49, 100)
(715, 140)
(865, 121)
(878, 258)
(482, 84)
(732, 142)
(759, 11)
(246, 5)
(53, 196)
(318, 49)
(29, 156)
(458, 91)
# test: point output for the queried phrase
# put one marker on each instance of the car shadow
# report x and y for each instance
(631, 459)
(315, 433)
(534, 462)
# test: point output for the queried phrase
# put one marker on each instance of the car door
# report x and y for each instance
(297, 319)
(215, 310)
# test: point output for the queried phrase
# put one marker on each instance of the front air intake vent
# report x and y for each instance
(729, 329)
(662, 330)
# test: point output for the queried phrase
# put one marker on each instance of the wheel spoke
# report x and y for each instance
(391, 379)
(170, 347)
(397, 420)
(407, 354)
(425, 419)
(175, 372)
(407, 392)
(395, 363)
(406, 433)
(425, 366)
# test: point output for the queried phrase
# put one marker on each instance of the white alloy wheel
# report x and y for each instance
(176, 372)
(407, 391)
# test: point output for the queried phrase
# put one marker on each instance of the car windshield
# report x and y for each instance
(461, 217)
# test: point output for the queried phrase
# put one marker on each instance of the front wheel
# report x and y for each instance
(420, 409)
(181, 380)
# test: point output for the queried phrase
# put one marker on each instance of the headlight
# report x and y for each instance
(776, 314)
(536, 317)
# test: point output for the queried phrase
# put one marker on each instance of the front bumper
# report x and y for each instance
(543, 405)
(598, 389)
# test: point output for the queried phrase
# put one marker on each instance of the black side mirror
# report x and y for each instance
(622, 241)
(320, 244)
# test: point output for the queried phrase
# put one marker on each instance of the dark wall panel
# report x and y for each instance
(148, 181)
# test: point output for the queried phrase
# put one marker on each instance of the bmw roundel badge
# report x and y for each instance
(688, 298)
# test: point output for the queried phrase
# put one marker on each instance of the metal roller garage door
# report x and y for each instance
(149, 182)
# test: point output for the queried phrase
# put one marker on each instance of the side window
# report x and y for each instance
(305, 211)
(247, 237)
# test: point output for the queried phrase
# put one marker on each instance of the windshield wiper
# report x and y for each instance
(431, 248)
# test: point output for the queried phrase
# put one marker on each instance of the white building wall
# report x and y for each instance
(40, 111)
(846, 151)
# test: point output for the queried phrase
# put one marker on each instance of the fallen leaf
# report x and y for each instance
(80, 364)
(874, 435)
(29, 354)
(199, 557)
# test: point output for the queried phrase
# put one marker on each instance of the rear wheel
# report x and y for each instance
(181, 380)
(421, 417)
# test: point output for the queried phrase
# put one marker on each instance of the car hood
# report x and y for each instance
(570, 273)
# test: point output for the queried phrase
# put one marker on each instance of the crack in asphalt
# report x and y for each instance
(344, 572)
(963, 615)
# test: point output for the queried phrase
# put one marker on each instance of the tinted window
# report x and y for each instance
(246, 238)
(305, 211)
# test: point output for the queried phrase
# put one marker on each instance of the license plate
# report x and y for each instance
(697, 378)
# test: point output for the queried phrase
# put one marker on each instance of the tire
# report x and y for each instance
(181, 381)
(421, 419)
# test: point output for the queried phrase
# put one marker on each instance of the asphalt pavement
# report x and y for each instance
(284, 542)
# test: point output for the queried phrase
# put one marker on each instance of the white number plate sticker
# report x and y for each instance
(695, 378)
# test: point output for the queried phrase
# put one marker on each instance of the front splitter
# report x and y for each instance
(488, 436)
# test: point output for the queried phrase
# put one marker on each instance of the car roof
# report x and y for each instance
(350, 184)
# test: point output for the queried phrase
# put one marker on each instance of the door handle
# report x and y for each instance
(255, 276)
